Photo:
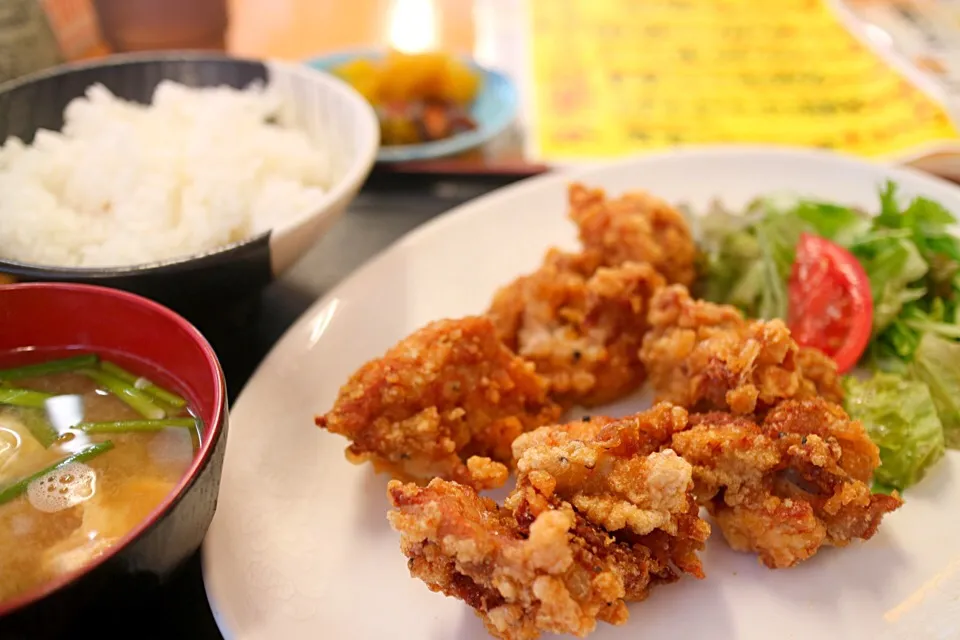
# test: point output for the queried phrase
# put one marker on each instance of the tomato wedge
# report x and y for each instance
(830, 306)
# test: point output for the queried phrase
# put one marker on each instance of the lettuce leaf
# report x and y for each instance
(889, 214)
(911, 255)
(895, 348)
(894, 266)
(729, 249)
(840, 224)
(901, 419)
(925, 218)
(935, 319)
(777, 236)
(936, 363)
(930, 227)
(747, 258)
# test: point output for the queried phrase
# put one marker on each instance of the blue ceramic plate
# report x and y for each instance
(493, 110)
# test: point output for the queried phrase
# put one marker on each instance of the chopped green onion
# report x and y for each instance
(136, 399)
(39, 427)
(47, 368)
(23, 397)
(143, 384)
(11, 491)
(125, 426)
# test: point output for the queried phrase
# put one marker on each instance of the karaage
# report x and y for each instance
(580, 323)
(543, 564)
(705, 356)
(619, 475)
(636, 227)
(446, 402)
(788, 485)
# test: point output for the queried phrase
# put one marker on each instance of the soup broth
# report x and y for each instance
(128, 463)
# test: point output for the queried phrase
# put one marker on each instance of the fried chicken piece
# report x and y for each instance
(819, 369)
(618, 476)
(611, 470)
(706, 356)
(580, 323)
(636, 227)
(541, 564)
(548, 577)
(446, 393)
(787, 486)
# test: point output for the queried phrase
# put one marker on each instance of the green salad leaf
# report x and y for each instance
(894, 266)
(896, 347)
(889, 214)
(748, 258)
(733, 249)
(936, 363)
(926, 218)
(901, 419)
(935, 319)
(843, 225)
(911, 255)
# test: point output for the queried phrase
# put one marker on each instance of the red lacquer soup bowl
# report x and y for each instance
(40, 321)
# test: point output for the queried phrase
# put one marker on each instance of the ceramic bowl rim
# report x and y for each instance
(215, 431)
(354, 175)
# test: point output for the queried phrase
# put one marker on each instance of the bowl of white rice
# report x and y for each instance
(189, 178)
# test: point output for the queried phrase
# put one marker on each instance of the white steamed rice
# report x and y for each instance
(125, 184)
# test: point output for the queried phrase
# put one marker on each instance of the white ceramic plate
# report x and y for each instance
(300, 546)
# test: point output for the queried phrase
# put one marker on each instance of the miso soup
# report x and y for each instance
(87, 451)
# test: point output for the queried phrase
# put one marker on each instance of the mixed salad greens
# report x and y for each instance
(879, 292)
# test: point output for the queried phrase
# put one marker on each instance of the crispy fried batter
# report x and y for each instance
(521, 582)
(581, 324)
(615, 475)
(611, 470)
(576, 540)
(820, 369)
(612, 476)
(706, 356)
(636, 227)
(446, 393)
(789, 485)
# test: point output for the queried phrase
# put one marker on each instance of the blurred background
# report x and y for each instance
(597, 79)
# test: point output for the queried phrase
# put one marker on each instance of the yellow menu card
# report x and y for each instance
(614, 77)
